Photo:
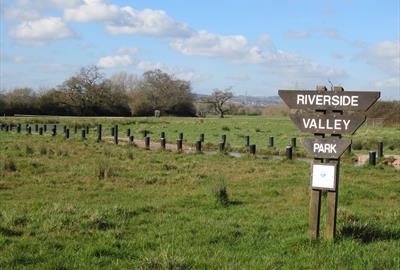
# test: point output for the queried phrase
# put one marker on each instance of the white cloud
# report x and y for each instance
(149, 65)
(385, 56)
(390, 87)
(40, 4)
(296, 68)
(186, 75)
(114, 61)
(127, 20)
(21, 14)
(233, 48)
(38, 31)
(128, 50)
(91, 10)
(236, 49)
(146, 22)
(391, 83)
(178, 72)
(23, 10)
(265, 38)
(59, 4)
(203, 43)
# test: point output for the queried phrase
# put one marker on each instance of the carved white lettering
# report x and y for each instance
(324, 148)
(346, 124)
(327, 100)
(300, 99)
(326, 124)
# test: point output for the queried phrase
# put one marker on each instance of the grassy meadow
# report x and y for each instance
(259, 128)
(73, 204)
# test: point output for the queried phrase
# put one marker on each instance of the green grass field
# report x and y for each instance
(259, 128)
(73, 204)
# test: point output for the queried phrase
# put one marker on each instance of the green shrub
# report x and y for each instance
(104, 169)
(29, 150)
(220, 191)
(10, 166)
(43, 150)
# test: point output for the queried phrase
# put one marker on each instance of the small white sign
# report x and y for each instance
(323, 176)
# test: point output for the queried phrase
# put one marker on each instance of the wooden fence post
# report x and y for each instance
(116, 134)
(179, 144)
(289, 152)
(247, 141)
(380, 149)
(99, 132)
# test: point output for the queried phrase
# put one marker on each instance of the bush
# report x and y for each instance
(89, 93)
(10, 166)
(104, 169)
(220, 191)
(276, 110)
(130, 155)
(387, 110)
(29, 150)
(43, 150)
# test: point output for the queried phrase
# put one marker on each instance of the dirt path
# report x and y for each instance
(155, 145)
(363, 159)
(392, 160)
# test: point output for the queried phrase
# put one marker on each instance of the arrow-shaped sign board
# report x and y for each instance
(331, 148)
(328, 123)
(329, 100)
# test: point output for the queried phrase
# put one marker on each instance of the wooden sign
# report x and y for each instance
(329, 100)
(322, 112)
(328, 123)
(331, 148)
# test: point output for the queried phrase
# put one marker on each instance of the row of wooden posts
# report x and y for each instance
(179, 142)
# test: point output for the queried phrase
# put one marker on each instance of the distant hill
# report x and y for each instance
(251, 100)
(257, 101)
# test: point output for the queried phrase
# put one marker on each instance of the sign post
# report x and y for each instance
(322, 113)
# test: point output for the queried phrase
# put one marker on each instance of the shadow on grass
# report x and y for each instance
(235, 202)
(9, 232)
(367, 233)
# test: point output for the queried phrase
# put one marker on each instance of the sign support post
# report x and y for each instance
(321, 112)
(332, 208)
(315, 200)
(315, 210)
(332, 197)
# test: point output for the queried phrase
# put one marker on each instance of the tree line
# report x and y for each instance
(90, 93)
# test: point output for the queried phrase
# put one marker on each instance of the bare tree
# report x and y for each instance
(80, 90)
(219, 99)
(90, 93)
(124, 81)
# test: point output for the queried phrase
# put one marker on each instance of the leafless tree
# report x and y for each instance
(219, 99)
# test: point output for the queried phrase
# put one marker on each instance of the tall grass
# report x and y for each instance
(97, 207)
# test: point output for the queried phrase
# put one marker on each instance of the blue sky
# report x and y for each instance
(255, 47)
